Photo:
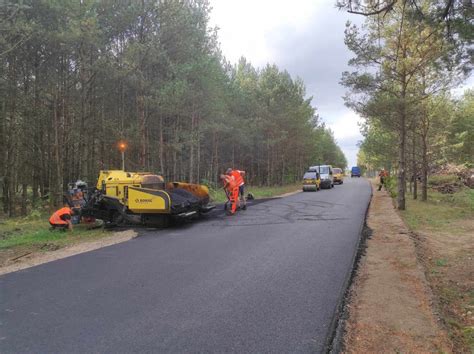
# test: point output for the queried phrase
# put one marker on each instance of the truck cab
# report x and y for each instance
(355, 171)
(338, 174)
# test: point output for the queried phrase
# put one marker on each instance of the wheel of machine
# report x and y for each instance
(341, 182)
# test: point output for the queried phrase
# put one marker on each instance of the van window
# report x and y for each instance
(310, 175)
(336, 170)
(323, 170)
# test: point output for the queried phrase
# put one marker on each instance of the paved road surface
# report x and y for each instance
(267, 280)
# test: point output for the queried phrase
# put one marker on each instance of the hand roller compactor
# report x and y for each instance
(143, 198)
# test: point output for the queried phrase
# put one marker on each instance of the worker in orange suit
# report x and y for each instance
(383, 176)
(239, 178)
(61, 219)
(232, 188)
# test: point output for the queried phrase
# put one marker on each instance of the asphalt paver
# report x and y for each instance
(266, 280)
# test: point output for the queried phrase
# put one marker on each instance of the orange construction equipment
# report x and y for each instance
(61, 218)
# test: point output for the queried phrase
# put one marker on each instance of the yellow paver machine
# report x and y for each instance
(144, 198)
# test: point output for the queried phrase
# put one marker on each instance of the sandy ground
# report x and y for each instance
(390, 306)
(39, 257)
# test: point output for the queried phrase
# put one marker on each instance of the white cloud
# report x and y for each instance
(246, 25)
(347, 133)
(467, 85)
(304, 37)
(346, 126)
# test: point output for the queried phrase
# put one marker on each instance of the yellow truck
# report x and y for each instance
(338, 175)
(144, 198)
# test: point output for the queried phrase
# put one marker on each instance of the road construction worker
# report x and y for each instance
(232, 188)
(239, 178)
(61, 219)
(383, 174)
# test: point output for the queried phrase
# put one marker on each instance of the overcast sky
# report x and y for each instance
(304, 37)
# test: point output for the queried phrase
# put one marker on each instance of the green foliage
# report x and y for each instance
(459, 146)
(34, 232)
(391, 186)
(406, 66)
(77, 76)
(327, 150)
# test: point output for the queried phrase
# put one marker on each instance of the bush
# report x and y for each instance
(391, 185)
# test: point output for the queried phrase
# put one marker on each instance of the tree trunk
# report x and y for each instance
(268, 163)
(198, 155)
(401, 178)
(414, 167)
(424, 190)
(141, 127)
(24, 199)
(191, 148)
(161, 151)
(56, 182)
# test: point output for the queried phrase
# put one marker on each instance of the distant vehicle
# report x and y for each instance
(325, 174)
(355, 172)
(311, 181)
(338, 174)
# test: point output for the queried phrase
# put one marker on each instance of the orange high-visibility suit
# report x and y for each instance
(239, 180)
(61, 218)
(233, 188)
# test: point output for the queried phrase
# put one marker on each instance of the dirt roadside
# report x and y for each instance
(13, 260)
(390, 305)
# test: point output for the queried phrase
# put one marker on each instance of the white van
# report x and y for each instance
(326, 175)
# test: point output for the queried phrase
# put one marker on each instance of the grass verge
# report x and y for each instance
(33, 232)
(444, 228)
(218, 195)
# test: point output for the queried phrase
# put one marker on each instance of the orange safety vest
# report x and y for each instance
(239, 180)
(230, 183)
(55, 219)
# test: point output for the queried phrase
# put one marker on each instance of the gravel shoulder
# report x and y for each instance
(390, 308)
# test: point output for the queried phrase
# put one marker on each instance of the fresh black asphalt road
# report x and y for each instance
(266, 280)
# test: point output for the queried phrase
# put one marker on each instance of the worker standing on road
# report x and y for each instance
(232, 188)
(239, 179)
(383, 174)
(61, 219)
